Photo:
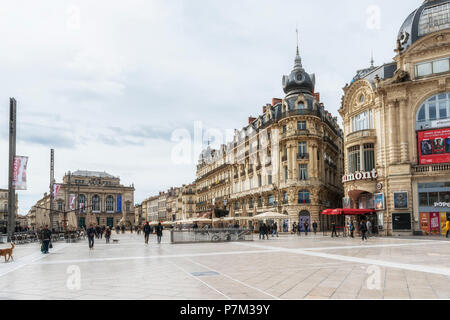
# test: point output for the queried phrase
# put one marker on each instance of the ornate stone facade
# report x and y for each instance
(289, 160)
(98, 199)
(384, 113)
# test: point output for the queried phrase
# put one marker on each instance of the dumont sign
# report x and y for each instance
(360, 176)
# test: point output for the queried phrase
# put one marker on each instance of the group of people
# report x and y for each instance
(265, 230)
(297, 227)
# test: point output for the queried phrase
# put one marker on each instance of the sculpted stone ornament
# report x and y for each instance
(401, 76)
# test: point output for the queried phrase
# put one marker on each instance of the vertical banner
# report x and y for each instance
(435, 226)
(71, 202)
(56, 188)
(443, 221)
(20, 173)
(119, 203)
(424, 223)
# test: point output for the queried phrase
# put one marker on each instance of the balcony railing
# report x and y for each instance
(432, 168)
(301, 112)
(360, 134)
(296, 133)
(302, 156)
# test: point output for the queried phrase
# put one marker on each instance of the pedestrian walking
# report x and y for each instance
(46, 236)
(91, 235)
(98, 230)
(147, 231)
(261, 231)
(333, 230)
(363, 229)
(117, 229)
(102, 231)
(266, 231)
(299, 229)
(369, 228)
(315, 227)
(447, 226)
(352, 229)
(306, 226)
(294, 227)
(107, 234)
(159, 232)
(275, 230)
(123, 229)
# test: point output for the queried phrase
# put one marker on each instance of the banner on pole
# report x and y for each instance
(72, 202)
(20, 173)
(56, 188)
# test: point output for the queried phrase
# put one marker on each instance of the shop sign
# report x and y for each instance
(442, 204)
(360, 176)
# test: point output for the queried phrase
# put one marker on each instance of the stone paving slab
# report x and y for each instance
(289, 267)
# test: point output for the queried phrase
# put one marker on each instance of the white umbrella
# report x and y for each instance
(270, 216)
(167, 223)
(202, 220)
(154, 223)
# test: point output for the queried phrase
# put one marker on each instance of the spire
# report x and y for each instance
(298, 59)
(372, 62)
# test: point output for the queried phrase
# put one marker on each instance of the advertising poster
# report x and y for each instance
(435, 226)
(424, 223)
(119, 203)
(379, 201)
(434, 146)
(443, 221)
(401, 200)
(20, 173)
(56, 188)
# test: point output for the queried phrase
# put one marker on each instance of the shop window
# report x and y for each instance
(433, 198)
(423, 199)
(444, 196)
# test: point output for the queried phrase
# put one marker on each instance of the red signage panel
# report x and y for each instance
(434, 146)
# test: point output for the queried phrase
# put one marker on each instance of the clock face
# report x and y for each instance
(299, 77)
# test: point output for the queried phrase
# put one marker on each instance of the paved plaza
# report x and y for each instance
(289, 267)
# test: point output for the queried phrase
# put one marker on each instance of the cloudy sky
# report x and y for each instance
(106, 83)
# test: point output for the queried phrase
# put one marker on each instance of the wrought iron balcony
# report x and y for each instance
(302, 156)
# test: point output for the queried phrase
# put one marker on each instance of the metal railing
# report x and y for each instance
(210, 235)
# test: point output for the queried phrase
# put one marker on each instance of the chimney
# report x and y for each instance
(276, 101)
(251, 119)
(317, 95)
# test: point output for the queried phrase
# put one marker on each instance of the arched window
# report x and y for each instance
(96, 203)
(109, 203)
(435, 108)
(82, 203)
(304, 197)
(301, 105)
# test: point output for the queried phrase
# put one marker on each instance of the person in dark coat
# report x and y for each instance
(314, 227)
(363, 229)
(90, 232)
(147, 231)
(261, 231)
(299, 229)
(159, 232)
(46, 236)
(123, 229)
(352, 229)
(306, 226)
(266, 231)
(333, 230)
(117, 229)
(107, 234)
(98, 231)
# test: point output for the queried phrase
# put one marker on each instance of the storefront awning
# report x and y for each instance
(347, 212)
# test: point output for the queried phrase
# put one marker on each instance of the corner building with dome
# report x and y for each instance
(397, 129)
(289, 159)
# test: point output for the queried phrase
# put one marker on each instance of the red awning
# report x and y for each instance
(347, 212)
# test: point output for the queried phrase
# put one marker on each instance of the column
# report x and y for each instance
(392, 133)
(404, 127)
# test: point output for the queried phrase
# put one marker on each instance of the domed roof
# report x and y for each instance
(431, 16)
(299, 81)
